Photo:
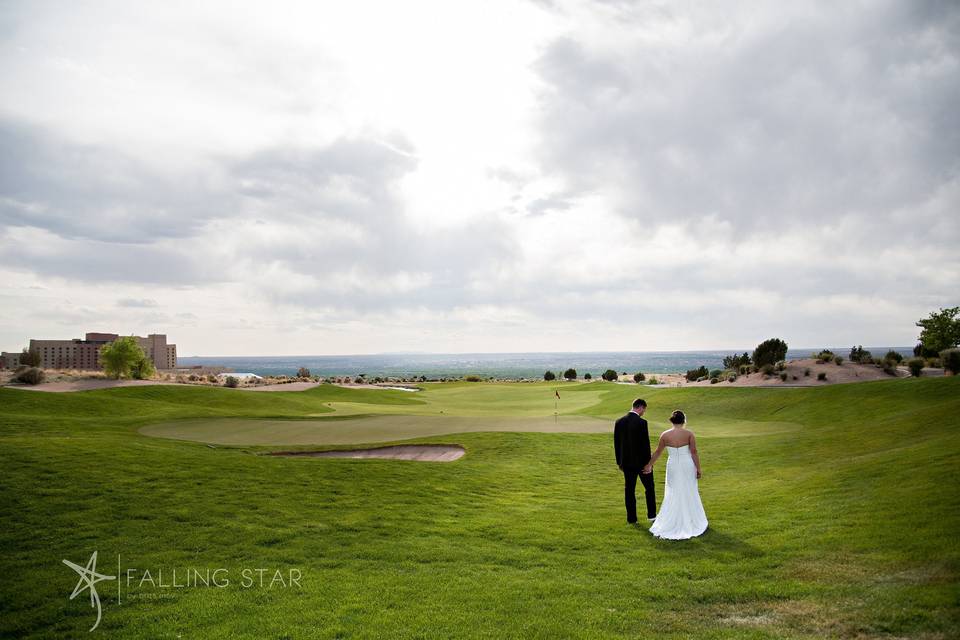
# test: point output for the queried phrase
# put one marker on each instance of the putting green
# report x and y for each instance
(387, 428)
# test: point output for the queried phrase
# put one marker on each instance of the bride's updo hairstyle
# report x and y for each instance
(678, 418)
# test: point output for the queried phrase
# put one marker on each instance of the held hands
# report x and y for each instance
(648, 469)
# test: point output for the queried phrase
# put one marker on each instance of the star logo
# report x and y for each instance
(88, 578)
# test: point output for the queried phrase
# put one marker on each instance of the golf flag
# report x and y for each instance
(558, 394)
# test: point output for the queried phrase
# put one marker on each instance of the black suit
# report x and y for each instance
(631, 442)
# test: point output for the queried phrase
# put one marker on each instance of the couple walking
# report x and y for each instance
(681, 513)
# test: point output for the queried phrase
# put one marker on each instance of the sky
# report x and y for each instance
(311, 178)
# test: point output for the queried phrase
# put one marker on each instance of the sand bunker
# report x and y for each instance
(421, 452)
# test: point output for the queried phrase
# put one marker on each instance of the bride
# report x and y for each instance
(681, 513)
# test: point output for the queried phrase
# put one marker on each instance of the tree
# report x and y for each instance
(940, 331)
(549, 375)
(122, 356)
(735, 362)
(769, 352)
(587, 376)
(231, 381)
(303, 372)
(859, 354)
(638, 377)
(951, 360)
(609, 375)
(570, 374)
(30, 358)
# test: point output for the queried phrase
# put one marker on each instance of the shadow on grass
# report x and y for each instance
(711, 540)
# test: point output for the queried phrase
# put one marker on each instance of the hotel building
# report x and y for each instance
(85, 354)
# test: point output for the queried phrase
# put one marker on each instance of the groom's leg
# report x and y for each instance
(650, 490)
(629, 493)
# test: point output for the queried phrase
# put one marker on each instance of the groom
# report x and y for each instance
(631, 441)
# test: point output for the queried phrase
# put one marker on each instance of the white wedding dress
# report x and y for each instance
(681, 512)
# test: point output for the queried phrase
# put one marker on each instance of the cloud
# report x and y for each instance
(609, 175)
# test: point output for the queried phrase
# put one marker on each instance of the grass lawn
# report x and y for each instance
(833, 513)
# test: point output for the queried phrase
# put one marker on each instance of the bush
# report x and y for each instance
(933, 362)
(783, 376)
(893, 355)
(824, 356)
(889, 367)
(193, 377)
(806, 373)
(142, 369)
(638, 377)
(795, 378)
(700, 372)
(472, 378)
(770, 351)
(767, 369)
(701, 378)
(951, 360)
(587, 376)
(745, 369)
(303, 372)
(859, 354)
(715, 373)
(821, 376)
(732, 377)
(30, 358)
(781, 365)
(232, 381)
(29, 375)
(609, 375)
(838, 360)
(714, 380)
(653, 380)
(211, 378)
(736, 362)
(916, 366)
(571, 374)
(549, 375)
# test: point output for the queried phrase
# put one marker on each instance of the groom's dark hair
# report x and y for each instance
(639, 402)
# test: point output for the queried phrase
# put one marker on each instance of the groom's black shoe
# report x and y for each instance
(631, 522)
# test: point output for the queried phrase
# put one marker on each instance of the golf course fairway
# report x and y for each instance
(833, 513)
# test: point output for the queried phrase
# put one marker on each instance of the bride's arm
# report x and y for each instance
(656, 454)
(693, 453)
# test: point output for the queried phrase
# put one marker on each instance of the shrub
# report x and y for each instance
(767, 369)
(609, 375)
(781, 365)
(795, 378)
(653, 380)
(232, 382)
(714, 380)
(472, 378)
(745, 369)
(806, 373)
(933, 362)
(193, 377)
(571, 374)
(701, 378)
(638, 377)
(889, 367)
(824, 356)
(700, 372)
(859, 354)
(303, 372)
(732, 377)
(951, 360)
(549, 375)
(783, 376)
(30, 358)
(916, 366)
(587, 376)
(838, 360)
(211, 378)
(715, 373)
(821, 376)
(29, 375)
(893, 355)
(736, 362)
(769, 351)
